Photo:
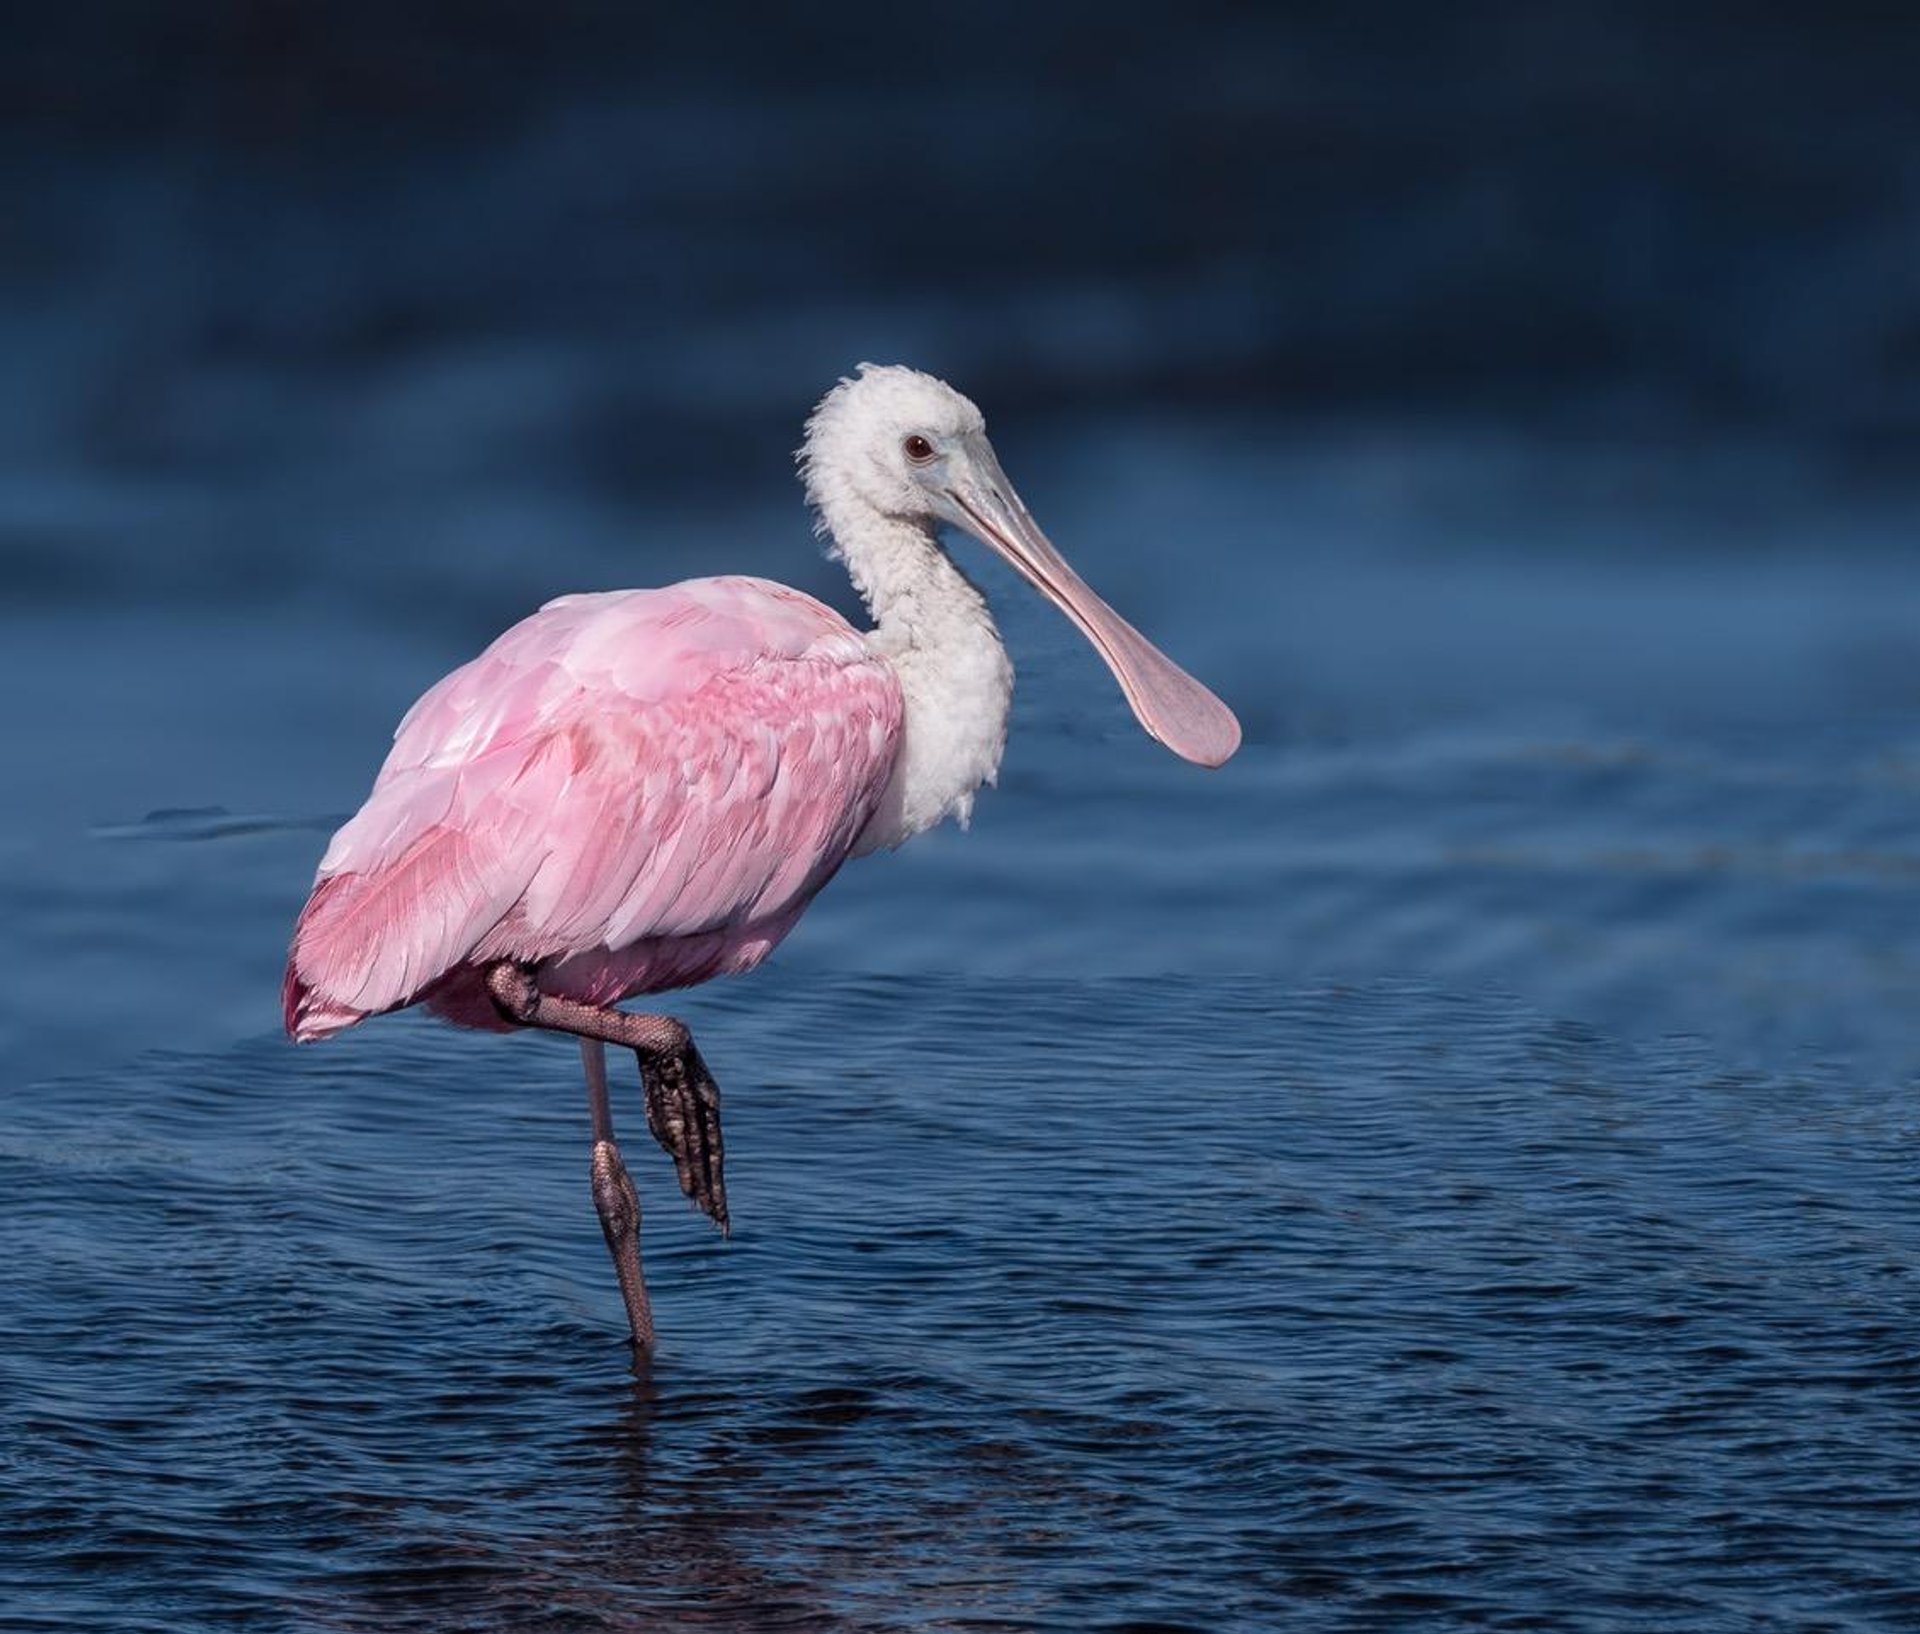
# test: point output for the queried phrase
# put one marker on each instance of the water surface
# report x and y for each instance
(1456, 1166)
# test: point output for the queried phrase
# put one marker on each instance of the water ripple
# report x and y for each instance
(1326, 1307)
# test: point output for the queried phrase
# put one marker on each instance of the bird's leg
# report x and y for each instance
(683, 1102)
(614, 1198)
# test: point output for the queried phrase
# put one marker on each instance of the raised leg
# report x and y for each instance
(614, 1197)
(683, 1102)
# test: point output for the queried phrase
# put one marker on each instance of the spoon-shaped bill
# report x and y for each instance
(1174, 708)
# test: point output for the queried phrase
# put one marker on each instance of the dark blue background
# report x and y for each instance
(1456, 1164)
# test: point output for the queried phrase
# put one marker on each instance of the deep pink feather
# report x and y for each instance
(630, 791)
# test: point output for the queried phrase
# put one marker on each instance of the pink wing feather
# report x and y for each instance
(630, 791)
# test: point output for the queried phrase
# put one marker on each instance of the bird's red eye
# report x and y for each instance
(919, 450)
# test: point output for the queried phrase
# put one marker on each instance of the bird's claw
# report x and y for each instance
(683, 1111)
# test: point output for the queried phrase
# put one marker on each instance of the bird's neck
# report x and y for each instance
(933, 626)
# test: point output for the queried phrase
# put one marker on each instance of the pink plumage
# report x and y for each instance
(626, 792)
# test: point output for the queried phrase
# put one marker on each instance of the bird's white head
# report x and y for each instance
(894, 442)
(886, 437)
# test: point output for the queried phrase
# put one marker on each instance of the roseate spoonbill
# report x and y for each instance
(637, 790)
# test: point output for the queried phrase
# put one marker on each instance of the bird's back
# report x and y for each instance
(630, 790)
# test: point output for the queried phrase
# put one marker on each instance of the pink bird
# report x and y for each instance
(640, 789)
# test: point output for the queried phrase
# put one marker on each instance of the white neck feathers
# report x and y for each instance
(933, 626)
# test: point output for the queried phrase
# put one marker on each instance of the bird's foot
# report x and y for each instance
(683, 1111)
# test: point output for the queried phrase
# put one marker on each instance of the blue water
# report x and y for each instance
(1456, 1166)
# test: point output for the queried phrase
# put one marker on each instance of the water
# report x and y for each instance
(1455, 1166)
(1169, 1303)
